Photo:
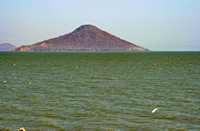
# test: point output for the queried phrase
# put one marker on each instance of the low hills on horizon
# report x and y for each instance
(84, 38)
(7, 47)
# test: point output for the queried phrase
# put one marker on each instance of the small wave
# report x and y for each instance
(166, 117)
(110, 78)
(179, 99)
(106, 78)
(5, 129)
(51, 115)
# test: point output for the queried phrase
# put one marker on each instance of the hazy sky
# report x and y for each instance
(154, 24)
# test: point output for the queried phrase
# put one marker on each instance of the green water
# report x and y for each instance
(99, 91)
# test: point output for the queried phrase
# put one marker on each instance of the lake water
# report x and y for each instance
(99, 90)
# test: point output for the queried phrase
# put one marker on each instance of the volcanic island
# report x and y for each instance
(84, 38)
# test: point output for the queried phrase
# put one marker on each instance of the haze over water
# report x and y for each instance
(99, 90)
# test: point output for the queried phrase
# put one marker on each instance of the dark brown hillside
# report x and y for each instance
(84, 38)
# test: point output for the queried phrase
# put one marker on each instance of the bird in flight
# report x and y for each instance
(154, 110)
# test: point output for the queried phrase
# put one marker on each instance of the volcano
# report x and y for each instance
(84, 38)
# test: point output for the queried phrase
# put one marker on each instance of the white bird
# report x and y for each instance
(154, 110)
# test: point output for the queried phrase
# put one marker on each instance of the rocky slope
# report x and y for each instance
(84, 38)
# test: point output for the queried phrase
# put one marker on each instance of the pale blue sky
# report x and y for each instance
(154, 24)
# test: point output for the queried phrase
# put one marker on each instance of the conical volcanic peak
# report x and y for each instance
(84, 38)
(86, 27)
